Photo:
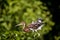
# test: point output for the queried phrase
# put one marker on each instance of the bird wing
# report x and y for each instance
(36, 26)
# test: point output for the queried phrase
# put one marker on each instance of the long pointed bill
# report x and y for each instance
(18, 24)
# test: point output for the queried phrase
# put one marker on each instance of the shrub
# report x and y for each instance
(15, 11)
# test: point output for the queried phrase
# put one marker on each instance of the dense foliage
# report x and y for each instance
(15, 11)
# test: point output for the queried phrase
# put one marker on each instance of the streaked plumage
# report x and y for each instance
(34, 26)
(37, 25)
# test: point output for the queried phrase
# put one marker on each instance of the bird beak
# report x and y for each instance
(18, 24)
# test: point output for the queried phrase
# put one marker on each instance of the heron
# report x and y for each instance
(34, 25)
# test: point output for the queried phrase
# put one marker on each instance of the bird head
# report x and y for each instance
(21, 23)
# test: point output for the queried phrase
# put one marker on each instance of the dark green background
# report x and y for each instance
(13, 12)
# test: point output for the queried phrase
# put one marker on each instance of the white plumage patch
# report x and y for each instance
(39, 21)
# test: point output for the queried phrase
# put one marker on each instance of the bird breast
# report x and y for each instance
(26, 29)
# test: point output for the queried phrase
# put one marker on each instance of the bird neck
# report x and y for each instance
(24, 25)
